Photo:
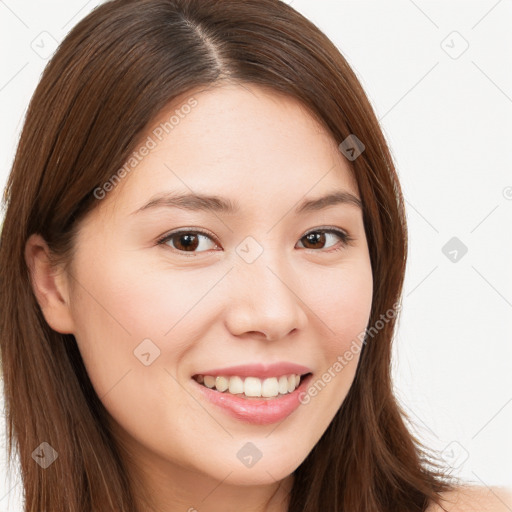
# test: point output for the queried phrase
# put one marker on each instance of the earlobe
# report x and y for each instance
(49, 285)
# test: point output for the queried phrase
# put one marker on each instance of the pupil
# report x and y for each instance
(189, 243)
(315, 237)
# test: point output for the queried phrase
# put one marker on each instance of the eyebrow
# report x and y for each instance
(212, 203)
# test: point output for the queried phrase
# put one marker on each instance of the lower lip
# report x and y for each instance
(251, 410)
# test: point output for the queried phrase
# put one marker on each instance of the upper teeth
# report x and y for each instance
(252, 386)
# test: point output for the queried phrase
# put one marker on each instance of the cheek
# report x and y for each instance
(121, 301)
(135, 299)
(343, 306)
(117, 308)
(341, 309)
(341, 298)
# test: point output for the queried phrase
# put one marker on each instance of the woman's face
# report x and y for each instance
(250, 289)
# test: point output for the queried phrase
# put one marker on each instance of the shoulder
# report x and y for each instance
(473, 498)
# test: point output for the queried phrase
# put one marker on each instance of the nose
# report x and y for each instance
(265, 298)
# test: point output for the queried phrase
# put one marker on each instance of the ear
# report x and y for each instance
(50, 286)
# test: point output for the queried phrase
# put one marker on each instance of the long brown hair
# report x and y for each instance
(114, 72)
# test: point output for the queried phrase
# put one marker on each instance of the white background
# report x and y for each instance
(447, 117)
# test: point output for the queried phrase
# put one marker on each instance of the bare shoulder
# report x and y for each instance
(476, 499)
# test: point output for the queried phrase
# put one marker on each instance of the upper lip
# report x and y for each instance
(258, 370)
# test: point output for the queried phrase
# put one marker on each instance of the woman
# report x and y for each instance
(203, 224)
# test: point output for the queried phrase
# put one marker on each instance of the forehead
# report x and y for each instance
(238, 141)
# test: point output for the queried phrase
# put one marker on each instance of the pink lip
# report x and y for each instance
(253, 410)
(258, 370)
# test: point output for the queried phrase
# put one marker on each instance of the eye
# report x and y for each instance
(189, 241)
(319, 236)
(186, 241)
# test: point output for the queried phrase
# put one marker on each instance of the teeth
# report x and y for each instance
(291, 383)
(269, 387)
(209, 381)
(283, 385)
(222, 383)
(236, 385)
(251, 386)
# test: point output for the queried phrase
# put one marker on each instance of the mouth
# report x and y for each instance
(248, 403)
(252, 388)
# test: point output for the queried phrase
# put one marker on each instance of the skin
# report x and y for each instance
(293, 303)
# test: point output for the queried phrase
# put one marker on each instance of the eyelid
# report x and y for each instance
(327, 229)
(199, 231)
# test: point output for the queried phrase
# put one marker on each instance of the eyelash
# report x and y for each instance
(346, 239)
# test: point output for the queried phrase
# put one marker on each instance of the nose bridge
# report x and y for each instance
(264, 295)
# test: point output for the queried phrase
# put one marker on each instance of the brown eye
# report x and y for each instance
(313, 239)
(190, 241)
(187, 241)
(317, 239)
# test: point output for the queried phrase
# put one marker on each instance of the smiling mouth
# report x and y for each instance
(252, 387)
